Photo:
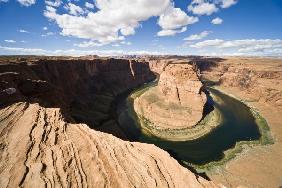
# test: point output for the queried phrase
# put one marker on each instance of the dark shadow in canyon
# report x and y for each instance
(86, 91)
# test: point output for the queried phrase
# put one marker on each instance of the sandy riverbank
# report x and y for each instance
(256, 166)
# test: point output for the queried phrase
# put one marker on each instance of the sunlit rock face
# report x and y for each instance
(179, 83)
(43, 145)
(178, 100)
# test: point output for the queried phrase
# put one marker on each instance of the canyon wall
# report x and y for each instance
(259, 78)
(84, 89)
(258, 82)
(42, 145)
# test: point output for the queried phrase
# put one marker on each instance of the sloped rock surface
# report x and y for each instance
(39, 149)
(41, 146)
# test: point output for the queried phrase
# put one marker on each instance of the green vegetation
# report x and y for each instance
(265, 139)
(206, 125)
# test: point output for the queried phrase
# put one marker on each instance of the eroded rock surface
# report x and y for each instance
(85, 89)
(39, 149)
(178, 100)
(42, 146)
(259, 78)
(179, 83)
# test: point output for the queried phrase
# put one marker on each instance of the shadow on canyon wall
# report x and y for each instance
(84, 89)
(87, 91)
(205, 64)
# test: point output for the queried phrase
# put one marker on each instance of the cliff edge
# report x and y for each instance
(42, 145)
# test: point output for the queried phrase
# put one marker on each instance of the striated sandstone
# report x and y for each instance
(259, 78)
(42, 146)
(180, 84)
(40, 149)
(85, 89)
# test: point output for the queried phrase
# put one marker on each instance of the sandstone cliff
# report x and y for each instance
(85, 89)
(178, 100)
(42, 146)
(39, 149)
(259, 78)
(179, 83)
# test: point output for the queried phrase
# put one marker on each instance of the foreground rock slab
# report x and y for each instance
(40, 149)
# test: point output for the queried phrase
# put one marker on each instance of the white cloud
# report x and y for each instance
(127, 31)
(217, 21)
(74, 9)
(175, 18)
(53, 3)
(127, 43)
(208, 43)
(198, 36)
(23, 31)
(3, 1)
(26, 3)
(87, 44)
(227, 3)
(272, 47)
(208, 7)
(10, 41)
(257, 47)
(45, 28)
(73, 52)
(48, 34)
(202, 7)
(17, 50)
(171, 32)
(113, 20)
(89, 5)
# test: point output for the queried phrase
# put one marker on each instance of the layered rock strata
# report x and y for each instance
(42, 146)
(178, 100)
(40, 149)
(259, 78)
(85, 89)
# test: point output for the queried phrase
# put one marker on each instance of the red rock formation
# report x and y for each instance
(179, 83)
(39, 146)
(84, 89)
(176, 103)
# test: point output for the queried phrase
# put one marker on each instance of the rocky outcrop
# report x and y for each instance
(263, 86)
(259, 78)
(176, 103)
(39, 149)
(179, 83)
(84, 89)
(42, 146)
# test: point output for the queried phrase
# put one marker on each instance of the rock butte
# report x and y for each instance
(41, 145)
(178, 100)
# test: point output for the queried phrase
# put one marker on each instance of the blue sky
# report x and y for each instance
(114, 27)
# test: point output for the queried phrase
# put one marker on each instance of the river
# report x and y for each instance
(238, 124)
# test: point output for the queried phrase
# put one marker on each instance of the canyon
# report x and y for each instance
(257, 82)
(172, 109)
(58, 129)
(59, 124)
